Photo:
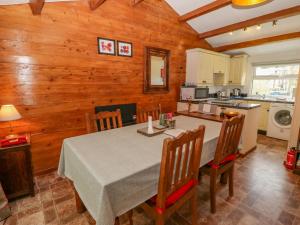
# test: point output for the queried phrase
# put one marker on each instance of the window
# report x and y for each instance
(278, 80)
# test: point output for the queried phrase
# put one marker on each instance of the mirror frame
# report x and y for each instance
(148, 88)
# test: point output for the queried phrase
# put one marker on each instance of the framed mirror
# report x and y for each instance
(156, 77)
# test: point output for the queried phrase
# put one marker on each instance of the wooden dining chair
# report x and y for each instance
(107, 120)
(226, 152)
(178, 176)
(91, 123)
(142, 115)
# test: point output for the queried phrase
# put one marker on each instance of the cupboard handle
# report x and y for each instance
(204, 81)
(230, 81)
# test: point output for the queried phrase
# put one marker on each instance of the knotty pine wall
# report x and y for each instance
(51, 71)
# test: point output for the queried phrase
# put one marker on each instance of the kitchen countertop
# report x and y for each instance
(199, 115)
(244, 106)
(263, 100)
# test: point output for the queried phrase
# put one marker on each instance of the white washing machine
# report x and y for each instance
(280, 120)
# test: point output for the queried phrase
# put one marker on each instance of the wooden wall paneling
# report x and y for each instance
(54, 74)
(36, 6)
(94, 4)
(136, 2)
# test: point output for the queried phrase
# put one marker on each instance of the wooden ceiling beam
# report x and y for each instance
(36, 6)
(94, 4)
(135, 2)
(252, 22)
(217, 4)
(257, 42)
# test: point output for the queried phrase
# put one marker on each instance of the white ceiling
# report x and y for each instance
(272, 48)
(229, 15)
(284, 26)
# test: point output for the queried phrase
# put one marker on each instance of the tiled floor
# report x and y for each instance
(265, 194)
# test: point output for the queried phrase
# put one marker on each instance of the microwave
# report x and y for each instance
(194, 93)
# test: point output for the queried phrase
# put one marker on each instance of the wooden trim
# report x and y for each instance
(44, 172)
(204, 10)
(136, 2)
(252, 22)
(256, 42)
(36, 6)
(94, 4)
(248, 152)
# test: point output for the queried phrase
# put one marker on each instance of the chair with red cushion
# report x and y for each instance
(226, 151)
(178, 176)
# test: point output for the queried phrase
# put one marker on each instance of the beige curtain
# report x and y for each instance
(4, 208)
(296, 118)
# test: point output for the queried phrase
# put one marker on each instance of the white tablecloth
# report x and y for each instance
(116, 170)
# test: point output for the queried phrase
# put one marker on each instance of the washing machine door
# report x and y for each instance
(283, 118)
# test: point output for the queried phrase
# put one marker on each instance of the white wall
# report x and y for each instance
(296, 118)
(268, 58)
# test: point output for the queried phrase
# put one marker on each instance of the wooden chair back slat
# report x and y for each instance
(185, 155)
(142, 115)
(229, 138)
(109, 120)
(180, 162)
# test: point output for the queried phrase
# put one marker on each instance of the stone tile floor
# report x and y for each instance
(265, 194)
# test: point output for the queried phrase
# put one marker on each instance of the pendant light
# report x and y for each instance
(245, 3)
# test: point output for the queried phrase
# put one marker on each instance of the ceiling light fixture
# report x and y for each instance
(274, 23)
(230, 33)
(245, 3)
(258, 27)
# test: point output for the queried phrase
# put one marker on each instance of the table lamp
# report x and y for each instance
(9, 113)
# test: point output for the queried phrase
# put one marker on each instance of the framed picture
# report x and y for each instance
(124, 48)
(106, 46)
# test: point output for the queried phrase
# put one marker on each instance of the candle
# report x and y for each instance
(150, 126)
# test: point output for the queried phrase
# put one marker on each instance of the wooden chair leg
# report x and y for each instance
(130, 215)
(213, 189)
(194, 209)
(159, 220)
(224, 178)
(117, 221)
(200, 177)
(231, 174)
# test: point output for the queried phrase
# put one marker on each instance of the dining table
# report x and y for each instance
(116, 170)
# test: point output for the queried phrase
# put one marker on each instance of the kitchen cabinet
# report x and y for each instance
(206, 67)
(219, 64)
(249, 132)
(264, 114)
(238, 70)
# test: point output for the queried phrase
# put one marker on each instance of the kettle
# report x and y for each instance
(236, 92)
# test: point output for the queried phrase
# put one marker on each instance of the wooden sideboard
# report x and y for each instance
(16, 171)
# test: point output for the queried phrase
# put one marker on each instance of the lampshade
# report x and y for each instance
(247, 2)
(9, 113)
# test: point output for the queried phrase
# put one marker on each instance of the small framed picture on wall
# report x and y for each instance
(106, 46)
(124, 48)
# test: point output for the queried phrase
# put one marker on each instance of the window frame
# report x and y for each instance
(274, 77)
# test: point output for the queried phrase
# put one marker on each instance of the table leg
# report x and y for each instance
(79, 204)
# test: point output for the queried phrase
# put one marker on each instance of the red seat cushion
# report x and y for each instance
(176, 195)
(226, 160)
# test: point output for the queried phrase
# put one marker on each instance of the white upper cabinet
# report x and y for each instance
(238, 70)
(206, 67)
(220, 64)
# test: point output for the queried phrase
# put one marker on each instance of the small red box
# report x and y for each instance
(12, 142)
